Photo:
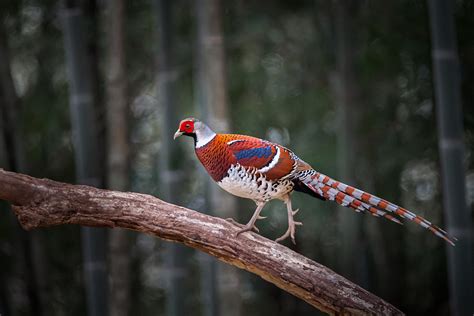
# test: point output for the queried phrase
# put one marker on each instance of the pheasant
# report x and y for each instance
(262, 171)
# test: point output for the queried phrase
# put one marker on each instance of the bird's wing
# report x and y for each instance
(272, 160)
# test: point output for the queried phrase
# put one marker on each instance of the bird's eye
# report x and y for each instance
(188, 126)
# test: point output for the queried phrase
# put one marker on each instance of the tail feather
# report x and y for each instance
(358, 206)
(361, 201)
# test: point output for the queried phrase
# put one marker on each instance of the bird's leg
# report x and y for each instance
(251, 224)
(291, 223)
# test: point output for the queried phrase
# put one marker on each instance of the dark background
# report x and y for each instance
(92, 91)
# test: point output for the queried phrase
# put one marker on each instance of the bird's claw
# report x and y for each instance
(283, 237)
(244, 228)
(247, 228)
(290, 232)
(251, 224)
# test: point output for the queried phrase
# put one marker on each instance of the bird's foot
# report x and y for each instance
(290, 232)
(251, 224)
(246, 228)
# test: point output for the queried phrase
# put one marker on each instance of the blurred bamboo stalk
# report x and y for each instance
(354, 259)
(118, 154)
(452, 155)
(175, 256)
(30, 256)
(86, 148)
(224, 296)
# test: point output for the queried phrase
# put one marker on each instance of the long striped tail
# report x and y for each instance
(361, 201)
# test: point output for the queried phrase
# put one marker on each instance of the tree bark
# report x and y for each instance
(45, 203)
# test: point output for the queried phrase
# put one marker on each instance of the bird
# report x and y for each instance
(262, 171)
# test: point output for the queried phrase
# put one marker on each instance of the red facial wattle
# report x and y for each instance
(187, 127)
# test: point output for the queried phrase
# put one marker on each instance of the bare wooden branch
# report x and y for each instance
(44, 203)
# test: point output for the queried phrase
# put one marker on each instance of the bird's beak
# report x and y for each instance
(177, 134)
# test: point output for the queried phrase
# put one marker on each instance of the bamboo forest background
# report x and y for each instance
(347, 85)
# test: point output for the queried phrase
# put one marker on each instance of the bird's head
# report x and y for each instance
(196, 129)
(186, 127)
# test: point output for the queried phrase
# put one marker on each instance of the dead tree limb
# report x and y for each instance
(44, 203)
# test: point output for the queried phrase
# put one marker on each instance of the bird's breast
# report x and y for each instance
(216, 158)
(250, 184)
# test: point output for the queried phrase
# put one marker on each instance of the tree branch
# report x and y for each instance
(44, 203)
